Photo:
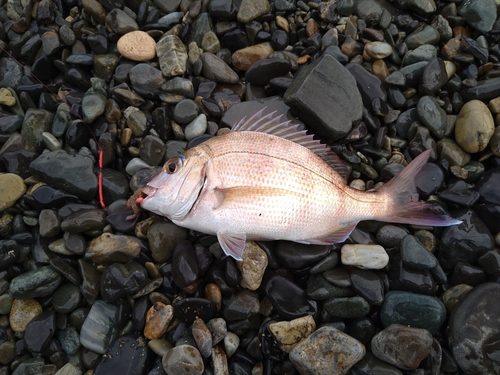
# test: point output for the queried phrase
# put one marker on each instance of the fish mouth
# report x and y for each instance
(147, 193)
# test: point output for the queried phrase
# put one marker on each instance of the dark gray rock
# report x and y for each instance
(324, 95)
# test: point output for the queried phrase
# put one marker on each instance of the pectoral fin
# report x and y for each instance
(233, 244)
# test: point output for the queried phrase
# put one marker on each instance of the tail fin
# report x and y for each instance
(406, 208)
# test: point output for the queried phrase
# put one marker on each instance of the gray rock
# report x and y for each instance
(35, 123)
(402, 346)
(40, 282)
(423, 35)
(93, 105)
(196, 127)
(214, 68)
(171, 19)
(99, 330)
(183, 360)
(71, 173)
(480, 14)
(415, 255)
(324, 95)
(425, 52)
(327, 351)
(185, 111)
(167, 6)
(172, 56)
(11, 72)
(432, 116)
(179, 86)
(146, 77)
(474, 329)
(201, 26)
(120, 22)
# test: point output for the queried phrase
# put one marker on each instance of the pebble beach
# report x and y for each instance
(95, 96)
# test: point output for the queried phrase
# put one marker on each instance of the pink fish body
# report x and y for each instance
(266, 180)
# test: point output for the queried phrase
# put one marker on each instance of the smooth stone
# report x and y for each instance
(71, 173)
(66, 269)
(425, 52)
(299, 256)
(188, 309)
(252, 9)
(136, 164)
(215, 69)
(455, 246)
(347, 307)
(163, 237)
(91, 278)
(481, 15)
(244, 58)
(12, 187)
(196, 128)
(84, 220)
(120, 280)
(231, 343)
(449, 150)
(152, 150)
(415, 255)
(36, 121)
(415, 310)
(423, 35)
(179, 86)
(327, 79)
(474, 325)
(364, 256)
(93, 105)
(322, 287)
(288, 334)
(241, 306)
(147, 77)
(137, 122)
(377, 50)
(69, 369)
(171, 19)
(278, 290)
(39, 282)
(183, 360)
(402, 346)
(112, 248)
(185, 269)
(474, 127)
(368, 285)
(7, 352)
(158, 318)
(120, 22)
(434, 77)
(22, 312)
(252, 266)
(422, 7)
(137, 46)
(218, 329)
(265, 70)
(202, 337)
(432, 116)
(429, 179)
(10, 72)
(129, 354)
(327, 351)
(66, 298)
(172, 56)
(390, 235)
(369, 85)
(486, 186)
(99, 330)
(452, 296)
(411, 280)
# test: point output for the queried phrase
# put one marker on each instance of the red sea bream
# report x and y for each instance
(267, 180)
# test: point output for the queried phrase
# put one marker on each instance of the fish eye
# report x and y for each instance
(173, 165)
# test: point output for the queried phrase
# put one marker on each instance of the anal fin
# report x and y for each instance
(337, 236)
(233, 244)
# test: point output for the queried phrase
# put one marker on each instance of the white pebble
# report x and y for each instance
(364, 256)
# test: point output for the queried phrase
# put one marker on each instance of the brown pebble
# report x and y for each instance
(22, 312)
(311, 27)
(202, 337)
(158, 318)
(137, 46)
(379, 68)
(213, 293)
(303, 59)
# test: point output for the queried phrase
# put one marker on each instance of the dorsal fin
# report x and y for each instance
(271, 124)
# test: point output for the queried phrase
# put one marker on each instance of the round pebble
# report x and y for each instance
(474, 127)
(137, 46)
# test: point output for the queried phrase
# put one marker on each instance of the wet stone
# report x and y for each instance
(369, 85)
(368, 285)
(215, 69)
(66, 298)
(22, 312)
(84, 220)
(321, 287)
(252, 266)
(315, 354)
(73, 174)
(452, 296)
(423, 35)
(405, 278)
(163, 237)
(278, 289)
(158, 318)
(288, 334)
(263, 71)
(183, 360)
(332, 120)
(454, 245)
(119, 22)
(185, 111)
(184, 264)
(119, 280)
(402, 346)
(242, 305)
(432, 116)
(415, 255)
(372, 365)
(479, 14)
(202, 337)
(69, 339)
(414, 310)
(36, 121)
(188, 309)
(364, 256)
(347, 307)
(99, 329)
(129, 354)
(486, 186)
(218, 329)
(473, 328)
(299, 256)
(40, 282)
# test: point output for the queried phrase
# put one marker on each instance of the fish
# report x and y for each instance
(267, 180)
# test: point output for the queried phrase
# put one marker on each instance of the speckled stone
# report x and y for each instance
(252, 266)
(158, 318)
(12, 187)
(183, 360)
(327, 351)
(22, 312)
(137, 46)
(288, 334)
